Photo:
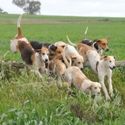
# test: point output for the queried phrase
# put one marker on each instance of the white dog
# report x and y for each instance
(72, 55)
(73, 75)
(103, 67)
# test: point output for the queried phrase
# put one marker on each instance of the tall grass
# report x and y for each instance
(27, 100)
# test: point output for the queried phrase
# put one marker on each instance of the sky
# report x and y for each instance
(105, 8)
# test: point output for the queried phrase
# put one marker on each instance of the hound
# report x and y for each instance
(60, 44)
(72, 55)
(104, 68)
(55, 51)
(38, 45)
(34, 60)
(19, 37)
(73, 75)
(99, 45)
(57, 66)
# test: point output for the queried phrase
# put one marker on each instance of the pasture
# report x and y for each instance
(27, 100)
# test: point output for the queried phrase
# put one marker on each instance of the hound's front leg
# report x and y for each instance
(65, 60)
(70, 61)
(110, 84)
(101, 79)
(36, 72)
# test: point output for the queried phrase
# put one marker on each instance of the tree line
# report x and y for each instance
(28, 6)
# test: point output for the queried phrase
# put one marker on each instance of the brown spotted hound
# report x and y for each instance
(34, 60)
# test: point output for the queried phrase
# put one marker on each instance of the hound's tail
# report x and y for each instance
(64, 58)
(71, 43)
(85, 33)
(19, 31)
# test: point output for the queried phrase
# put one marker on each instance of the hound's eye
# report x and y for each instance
(103, 44)
(43, 53)
(78, 62)
(59, 51)
(110, 61)
(95, 87)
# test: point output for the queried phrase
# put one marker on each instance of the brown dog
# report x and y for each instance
(99, 45)
(57, 66)
(34, 60)
(73, 75)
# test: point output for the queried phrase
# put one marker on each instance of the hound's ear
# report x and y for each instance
(105, 57)
(98, 41)
(53, 47)
(63, 46)
(38, 50)
(90, 87)
(73, 57)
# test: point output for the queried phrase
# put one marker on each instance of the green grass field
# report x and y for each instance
(27, 100)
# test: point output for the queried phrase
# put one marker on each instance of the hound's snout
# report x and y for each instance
(112, 67)
(46, 60)
(107, 49)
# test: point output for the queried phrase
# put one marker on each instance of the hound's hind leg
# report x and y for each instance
(101, 79)
(110, 84)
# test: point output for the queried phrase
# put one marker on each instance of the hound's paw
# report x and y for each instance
(108, 98)
(111, 94)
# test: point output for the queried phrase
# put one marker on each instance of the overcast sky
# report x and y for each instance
(112, 8)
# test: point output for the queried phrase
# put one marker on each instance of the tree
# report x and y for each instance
(20, 3)
(2, 11)
(28, 6)
(32, 7)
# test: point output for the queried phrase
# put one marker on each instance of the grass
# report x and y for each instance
(28, 100)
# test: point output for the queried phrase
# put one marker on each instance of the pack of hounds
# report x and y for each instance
(68, 60)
